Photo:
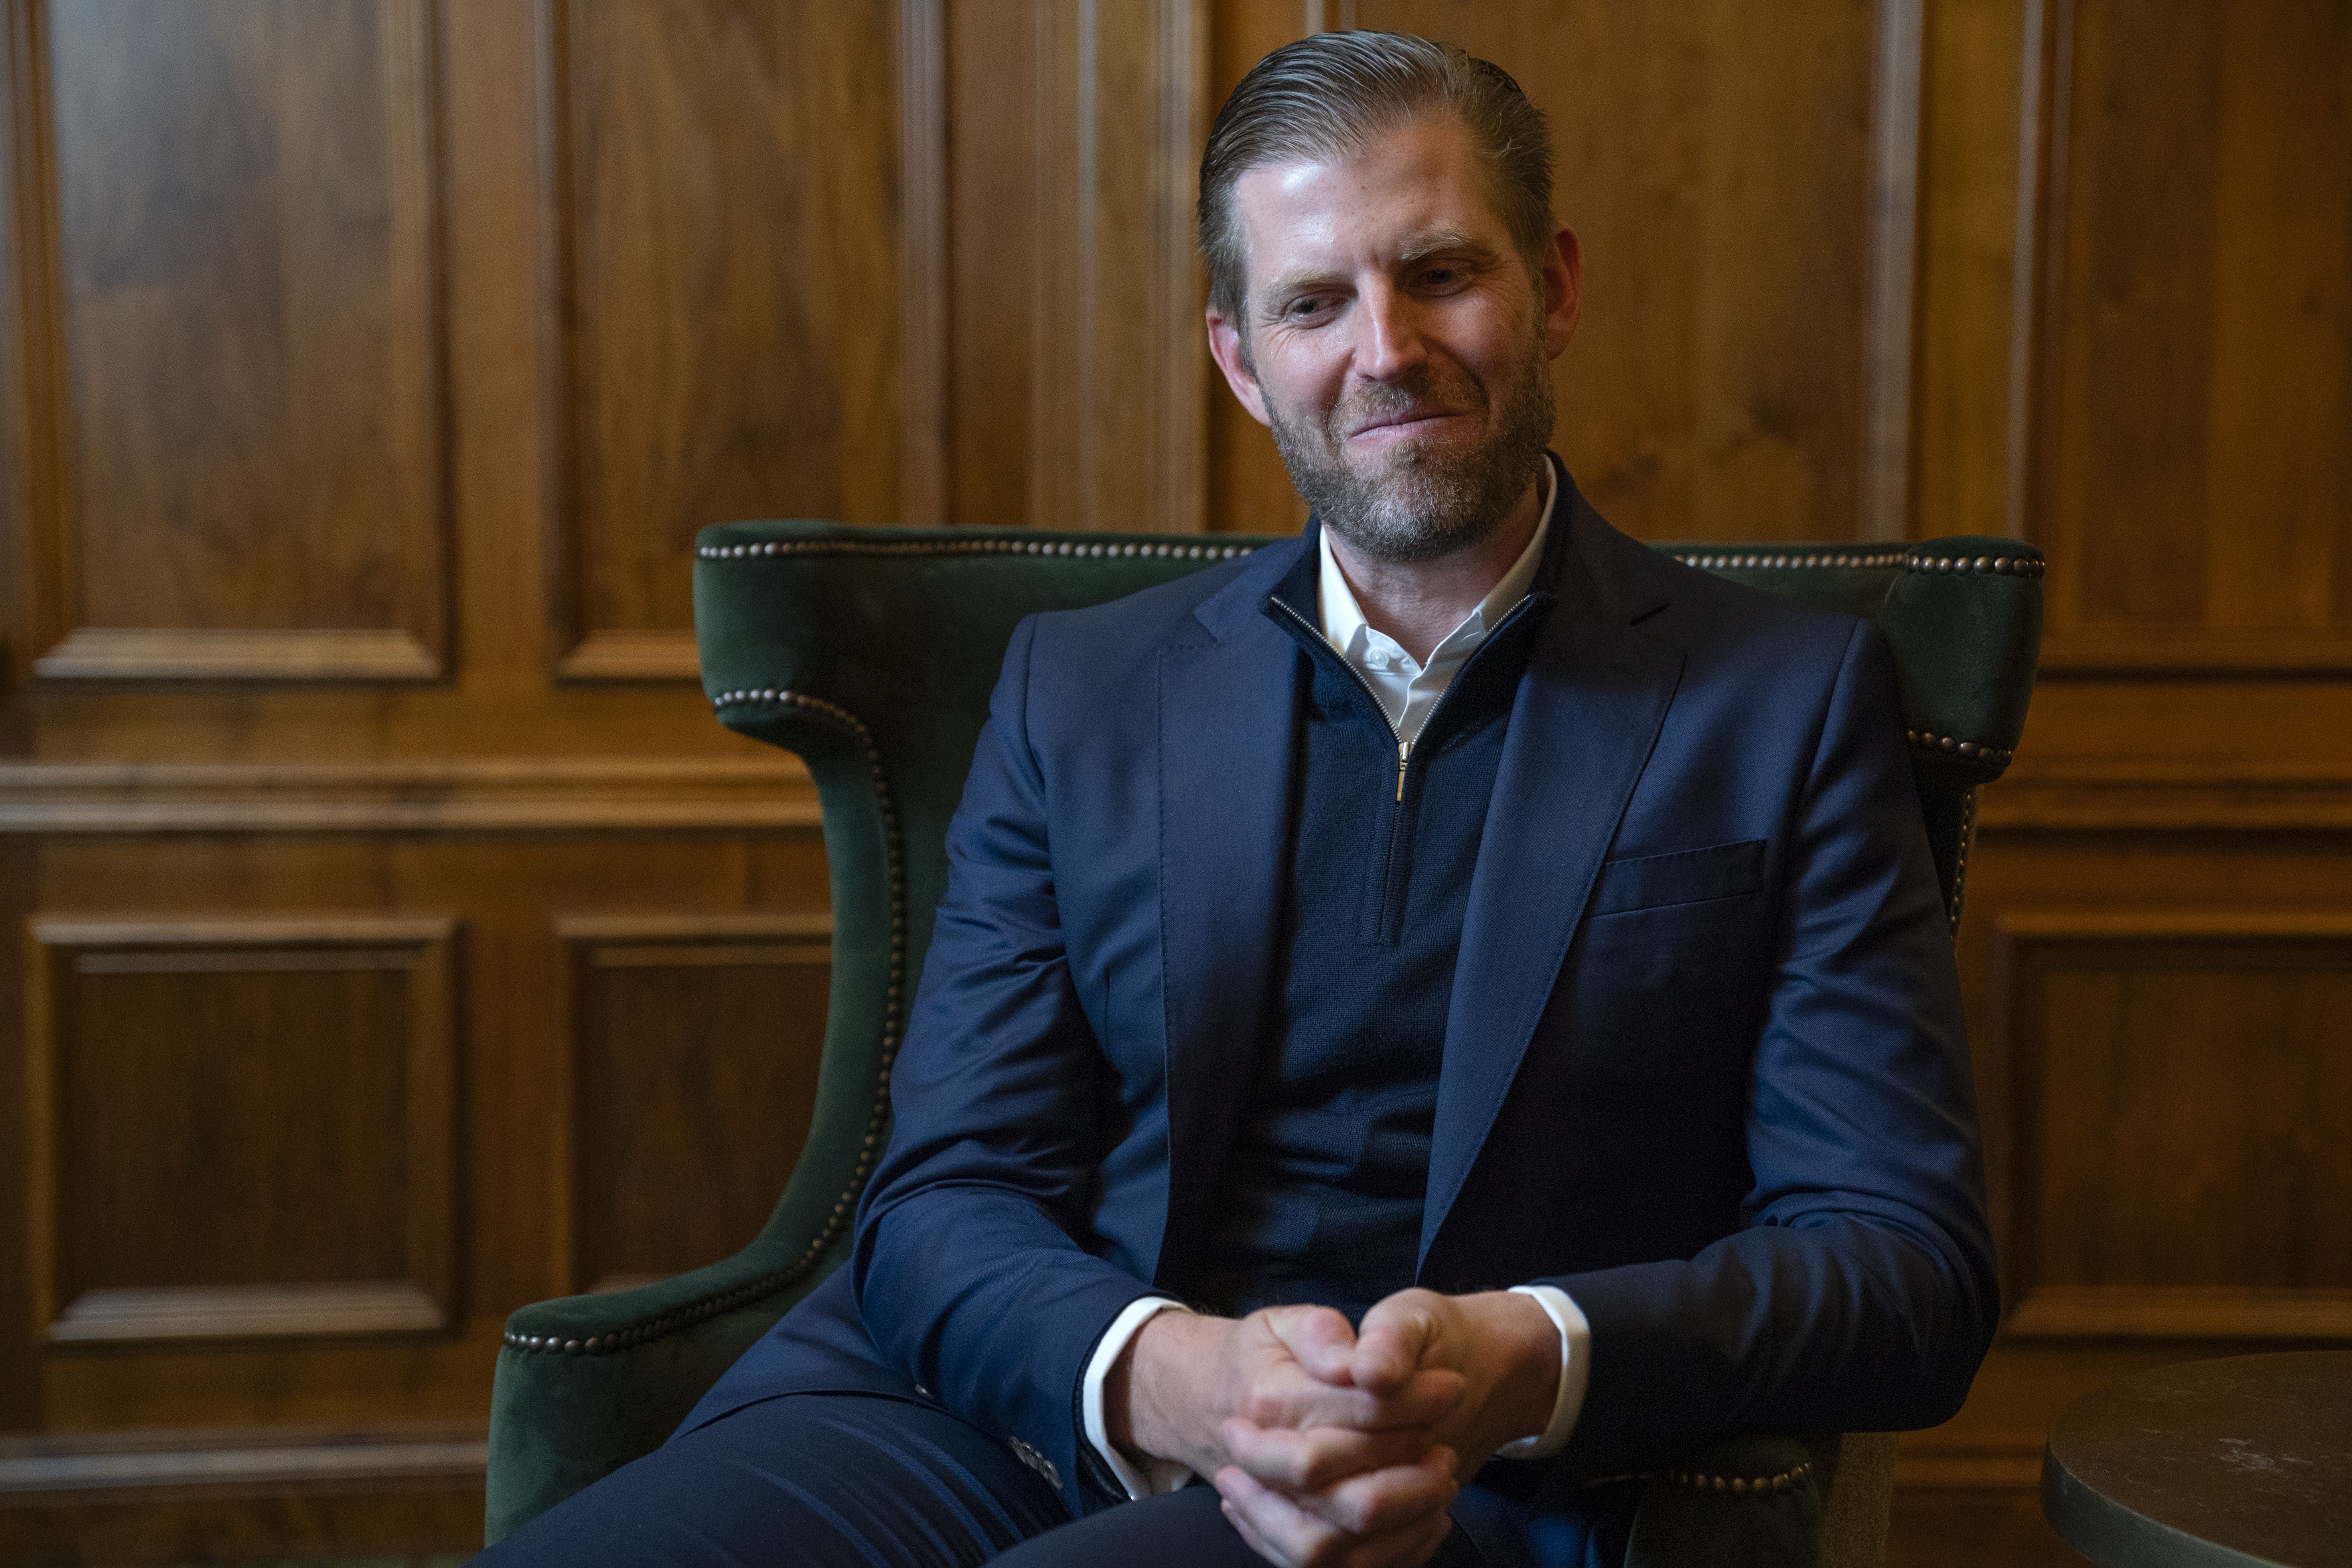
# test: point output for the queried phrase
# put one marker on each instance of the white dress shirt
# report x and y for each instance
(1408, 691)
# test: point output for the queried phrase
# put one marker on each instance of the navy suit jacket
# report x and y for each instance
(1703, 1067)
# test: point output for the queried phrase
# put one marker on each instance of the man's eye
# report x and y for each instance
(1308, 307)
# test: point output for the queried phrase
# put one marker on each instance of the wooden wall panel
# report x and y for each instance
(242, 1128)
(239, 419)
(1080, 363)
(2195, 415)
(726, 215)
(695, 1044)
(552, 282)
(2182, 1098)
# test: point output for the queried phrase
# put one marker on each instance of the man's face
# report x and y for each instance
(1395, 340)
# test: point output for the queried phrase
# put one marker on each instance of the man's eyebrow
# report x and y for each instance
(1443, 241)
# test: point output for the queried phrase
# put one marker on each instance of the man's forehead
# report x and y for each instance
(1414, 191)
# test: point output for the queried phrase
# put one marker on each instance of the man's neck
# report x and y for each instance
(1418, 603)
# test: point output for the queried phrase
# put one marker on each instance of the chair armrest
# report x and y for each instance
(1753, 1501)
(585, 1383)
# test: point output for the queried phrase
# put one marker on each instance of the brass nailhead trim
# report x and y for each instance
(1960, 863)
(1972, 751)
(1950, 565)
(1732, 1486)
(1941, 565)
(1881, 558)
(768, 1284)
(968, 547)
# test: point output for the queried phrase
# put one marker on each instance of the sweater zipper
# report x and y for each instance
(1405, 747)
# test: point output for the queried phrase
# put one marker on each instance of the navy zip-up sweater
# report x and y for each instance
(1322, 1199)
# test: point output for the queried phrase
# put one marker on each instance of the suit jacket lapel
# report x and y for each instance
(1227, 723)
(1587, 715)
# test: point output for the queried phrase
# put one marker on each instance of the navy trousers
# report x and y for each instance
(854, 1481)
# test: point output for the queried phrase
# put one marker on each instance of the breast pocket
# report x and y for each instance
(1684, 876)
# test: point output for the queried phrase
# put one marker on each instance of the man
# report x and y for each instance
(1421, 1018)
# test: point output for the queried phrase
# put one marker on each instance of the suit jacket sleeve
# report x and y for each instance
(969, 1271)
(1859, 1293)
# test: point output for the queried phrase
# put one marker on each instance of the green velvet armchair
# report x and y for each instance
(870, 652)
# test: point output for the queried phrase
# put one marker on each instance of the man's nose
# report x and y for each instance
(1390, 339)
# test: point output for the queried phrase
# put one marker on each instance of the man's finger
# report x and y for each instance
(1319, 1458)
(1398, 1335)
(1317, 1338)
(1380, 1502)
(1280, 1399)
(1411, 1525)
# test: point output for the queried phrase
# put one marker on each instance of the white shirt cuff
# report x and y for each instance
(1153, 1476)
(1575, 1368)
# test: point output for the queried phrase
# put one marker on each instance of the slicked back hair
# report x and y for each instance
(1331, 94)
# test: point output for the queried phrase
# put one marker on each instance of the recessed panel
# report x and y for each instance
(249, 386)
(696, 1044)
(2201, 320)
(2185, 1097)
(727, 210)
(241, 1130)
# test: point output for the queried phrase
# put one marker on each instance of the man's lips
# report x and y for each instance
(1410, 422)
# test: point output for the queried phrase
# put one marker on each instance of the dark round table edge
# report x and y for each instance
(2114, 1537)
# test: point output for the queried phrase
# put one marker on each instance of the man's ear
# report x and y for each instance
(1226, 348)
(1563, 289)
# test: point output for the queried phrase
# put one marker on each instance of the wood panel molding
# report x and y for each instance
(487, 795)
(695, 1041)
(632, 656)
(254, 1311)
(247, 492)
(2196, 651)
(103, 653)
(135, 1462)
(2111, 798)
(1890, 343)
(923, 241)
(198, 1206)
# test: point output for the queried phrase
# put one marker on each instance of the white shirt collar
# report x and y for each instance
(1343, 618)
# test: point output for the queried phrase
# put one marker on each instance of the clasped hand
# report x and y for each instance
(1333, 1448)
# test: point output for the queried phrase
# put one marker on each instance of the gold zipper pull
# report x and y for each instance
(1404, 755)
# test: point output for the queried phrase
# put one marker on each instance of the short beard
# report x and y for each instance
(1429, 500)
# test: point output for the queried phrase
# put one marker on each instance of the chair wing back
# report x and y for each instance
(871, 652)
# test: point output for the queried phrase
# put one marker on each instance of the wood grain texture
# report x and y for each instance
(1080, 365)
(724, 207)
(695, 1048)
(225, 1493)
(200, 1085)
(614, 794)
(1975, 144)
(2194, 405)
(245, 379)
(2180, 1097)
(2156, 217)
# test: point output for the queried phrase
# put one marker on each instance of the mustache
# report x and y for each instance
(1419, 390)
